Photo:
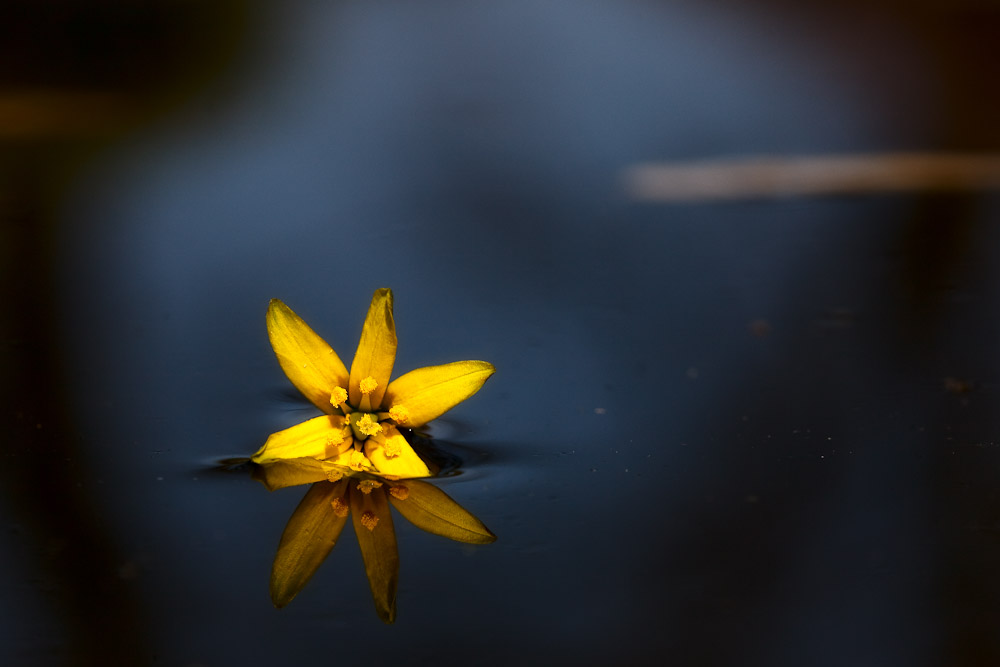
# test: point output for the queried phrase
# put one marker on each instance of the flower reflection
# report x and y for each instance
(356, 456)
(316, 524)
(364, 411)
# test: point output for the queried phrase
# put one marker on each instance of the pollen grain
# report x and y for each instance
(368, 385)
(340, 508)
(399, 414)
(392, 448)
(338, 397)
(368, 426)
(366, 486)
(369, 520)
(359, 461)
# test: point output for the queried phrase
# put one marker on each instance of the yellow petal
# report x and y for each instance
(427, 393)
(403, 462)
(429, 508)
(376, 352)
(293, 472)
(378, 547)
(311, 533)
(319, 438)
(312, 365)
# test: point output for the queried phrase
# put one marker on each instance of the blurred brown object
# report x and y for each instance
(62, 115)
(957, 385)
(74, 76)
(70, 70)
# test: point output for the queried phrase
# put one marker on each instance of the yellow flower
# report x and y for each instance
(364, 410)
(316, 524)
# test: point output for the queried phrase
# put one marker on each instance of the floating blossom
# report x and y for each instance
(355, 455)
(364, 410)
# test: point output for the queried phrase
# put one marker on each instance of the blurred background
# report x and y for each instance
(732, 423)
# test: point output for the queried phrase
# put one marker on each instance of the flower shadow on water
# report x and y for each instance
(357, 456)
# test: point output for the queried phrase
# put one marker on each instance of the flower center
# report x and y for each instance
(364, 424)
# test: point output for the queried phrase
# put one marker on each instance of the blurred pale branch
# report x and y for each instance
(757, 177)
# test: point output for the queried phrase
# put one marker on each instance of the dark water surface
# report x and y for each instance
(761, 432)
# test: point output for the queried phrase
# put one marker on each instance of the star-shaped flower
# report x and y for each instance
(364, 410)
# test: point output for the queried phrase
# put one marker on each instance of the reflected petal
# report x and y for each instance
(310, 534)
(321, 437)
(429, 508)
(376, 352)
(427, 393)
(293, 472)
(308, 361)
(377, 540)
(404, 464)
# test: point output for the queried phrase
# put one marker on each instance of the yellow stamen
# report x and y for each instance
(338, 441)
(340, 508)
(399, 492)
(359, 461)
(338, 397)
(399, 414)
(369, 520)
(366, 486)
(367, 425)
(368, 385)
(392, 448)
(334, 475)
